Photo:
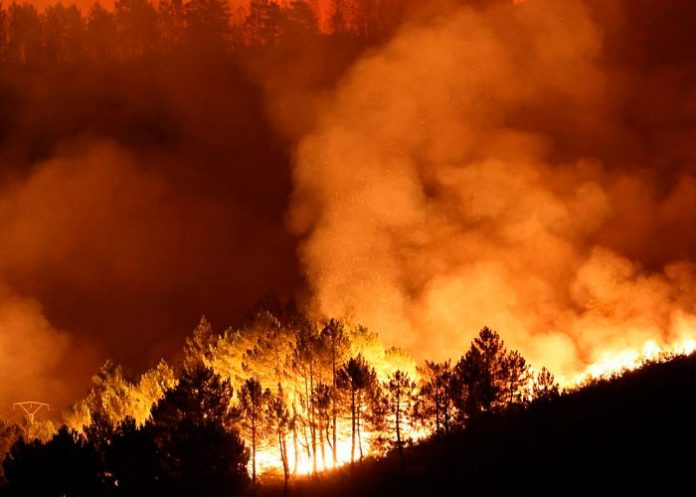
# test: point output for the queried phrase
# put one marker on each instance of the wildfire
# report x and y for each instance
(268, 460)
(616, 362)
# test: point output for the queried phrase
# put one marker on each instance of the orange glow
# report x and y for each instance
(516, 164)
(614, 363)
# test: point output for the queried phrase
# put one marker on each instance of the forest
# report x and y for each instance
(625, 435)
(280, 399)
(63, 34)
(460, 204)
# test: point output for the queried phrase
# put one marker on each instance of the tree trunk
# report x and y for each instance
(359, 409)
(399, 445)
(322, 445)
(312, 421)
(334, 392)
(327, 434)
(304, 425)
(295, 446)
(446, 420)
(253, 448)
(283, 458)
(352, 427)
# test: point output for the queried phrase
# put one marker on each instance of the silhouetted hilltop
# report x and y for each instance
(630, 435)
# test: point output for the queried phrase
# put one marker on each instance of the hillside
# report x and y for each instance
(630, 435)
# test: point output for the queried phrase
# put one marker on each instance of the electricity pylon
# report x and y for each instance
(31, 407)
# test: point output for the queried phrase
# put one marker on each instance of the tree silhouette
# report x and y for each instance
(100, 30)
(192, 430)
(545, 386)
(479, 371)
(207, 23)
(252, 402)
(24, 34)
(63, 32)
(515, 377)
(136, 22)
(9, 434)
(337, 344)
(133, 461)
(307, 366)
(356, 377)
(263, 24)
(438, 394)
(172, 23)
(321, 400)
(278, 416)
(65, 465)
(298, 21)
(401, 391)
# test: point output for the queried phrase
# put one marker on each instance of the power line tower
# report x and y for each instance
(30, 408)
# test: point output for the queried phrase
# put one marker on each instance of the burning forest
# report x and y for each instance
(426, 235)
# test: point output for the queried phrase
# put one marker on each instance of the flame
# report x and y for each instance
(268, 459)
(612, 363)
(609, 363)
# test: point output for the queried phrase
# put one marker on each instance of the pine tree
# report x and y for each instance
(278, 416)
(357, 377)
(401, 390)
(438, 395)
(515, 377)
(479, 372)
(252, 402)
(192, 427)
(198, 347)
(336, 342)
(545, 386)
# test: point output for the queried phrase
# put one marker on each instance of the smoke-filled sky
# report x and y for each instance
(529, 166)
(134, 199)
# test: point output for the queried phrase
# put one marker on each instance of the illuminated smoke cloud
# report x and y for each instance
(440, 192)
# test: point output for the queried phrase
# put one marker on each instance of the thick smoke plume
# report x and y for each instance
(529, 166)
(126, 212)
(513, 165)
(103, 240)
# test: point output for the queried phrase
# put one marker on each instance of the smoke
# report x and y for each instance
(34, 354)
(527, 166)
(127, 212)
(515, 166)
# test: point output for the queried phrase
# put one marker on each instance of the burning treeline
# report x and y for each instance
(483, 162)
(529, 165)
(304, 397)
(486, 164)
(139, 161)
(72, 31)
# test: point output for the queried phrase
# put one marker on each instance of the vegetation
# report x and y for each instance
(284, 396)
(279, 394)
(628, 435)
(136, 28)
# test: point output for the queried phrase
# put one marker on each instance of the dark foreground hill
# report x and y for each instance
(632, 435)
